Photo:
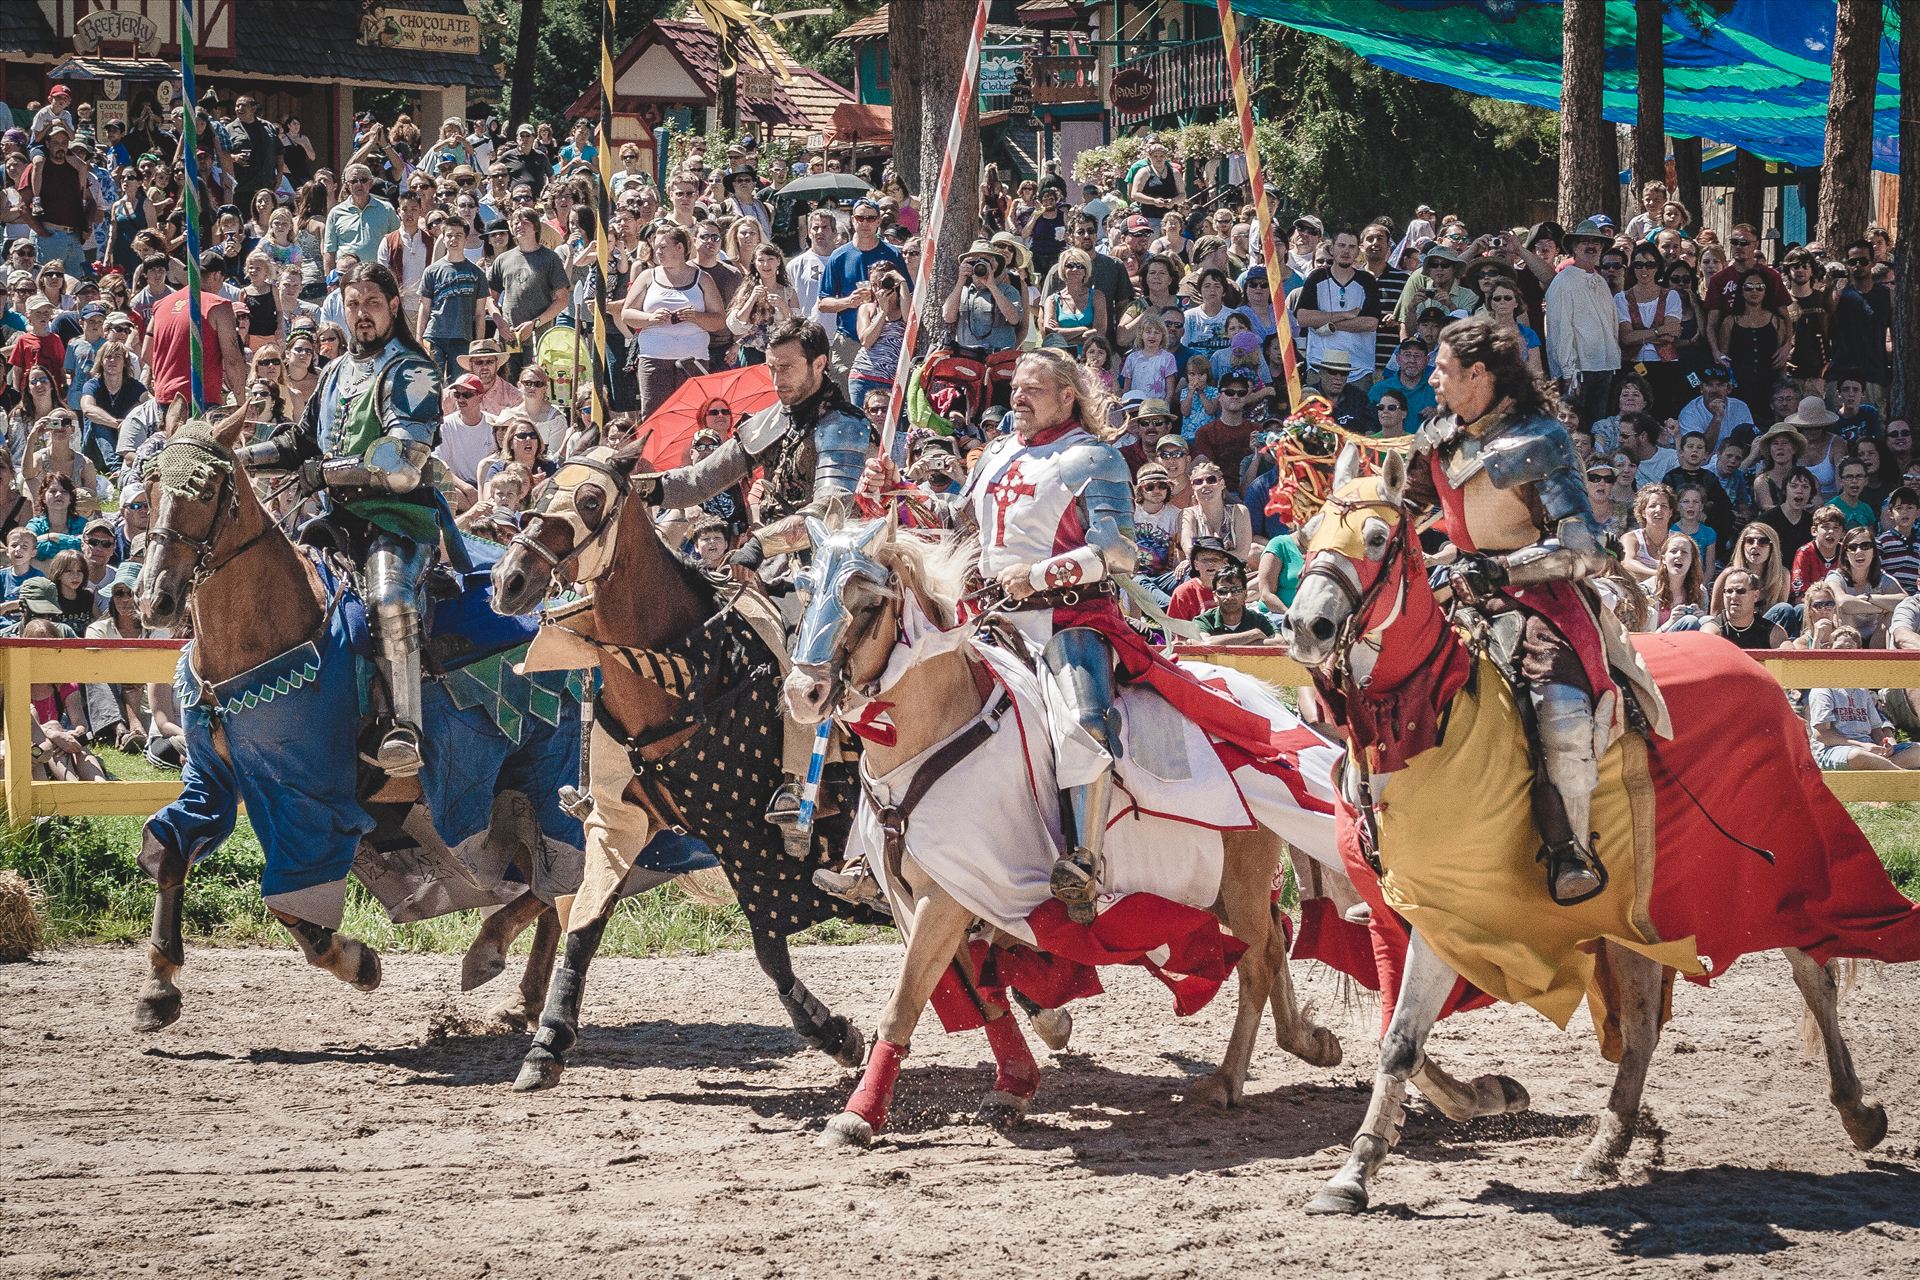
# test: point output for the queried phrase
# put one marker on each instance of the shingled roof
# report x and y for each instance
(320, 39)
(698, 50)
(24, 29)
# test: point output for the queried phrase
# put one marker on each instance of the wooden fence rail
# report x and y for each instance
(24, 663)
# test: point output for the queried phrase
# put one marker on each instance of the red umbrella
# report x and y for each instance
(745, 390)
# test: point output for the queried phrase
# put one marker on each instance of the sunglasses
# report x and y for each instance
(526, 435)
(266, 360)
(1200, 481)
(1753, 542)
(300, 351)
(134, 506)
(100, 544)
(1169, 453)
(1858, 262)
(1740, 243)
(1820, 604)
(465, 395)
(1859, 546)
(719, 413)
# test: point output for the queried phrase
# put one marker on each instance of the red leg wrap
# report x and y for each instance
(875, 1094)
(1018, 1073)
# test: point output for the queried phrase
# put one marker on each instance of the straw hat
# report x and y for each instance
(1011, 250)
(1813, 412)
(1779, 431)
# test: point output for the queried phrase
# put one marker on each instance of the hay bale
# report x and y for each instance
(21, 931)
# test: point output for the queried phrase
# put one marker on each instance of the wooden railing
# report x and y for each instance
(25, 663)
(1186, 78)
(1793, 668)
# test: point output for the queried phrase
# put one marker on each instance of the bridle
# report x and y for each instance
(1361, 601)
(202, 546)
(525, 540)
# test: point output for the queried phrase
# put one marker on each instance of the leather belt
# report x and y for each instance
(1062, 597)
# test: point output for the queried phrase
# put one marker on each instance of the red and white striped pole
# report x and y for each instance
(930, 225)
(1269, 234)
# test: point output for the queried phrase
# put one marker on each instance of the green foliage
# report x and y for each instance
(811, 40)
(569, 58)
(1350, 141)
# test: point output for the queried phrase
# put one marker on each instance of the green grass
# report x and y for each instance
(97, 893)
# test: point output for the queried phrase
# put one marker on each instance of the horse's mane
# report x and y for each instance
(936, 565)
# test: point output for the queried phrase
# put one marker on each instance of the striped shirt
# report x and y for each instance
(1900, 555)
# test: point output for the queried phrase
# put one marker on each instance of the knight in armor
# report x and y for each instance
(1052, 505)
(1525, 542)
(812, 445)
(364, 442)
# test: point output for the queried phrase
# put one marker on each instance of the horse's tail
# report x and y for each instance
(709, 886)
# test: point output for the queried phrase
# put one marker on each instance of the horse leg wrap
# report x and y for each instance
(1017, 1073)
(813, 1020)
(875, 1094)
(315, 939)
(559, 1029)
(169, 872)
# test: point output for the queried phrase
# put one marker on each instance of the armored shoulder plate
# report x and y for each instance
(1527, 451)
(761, 431)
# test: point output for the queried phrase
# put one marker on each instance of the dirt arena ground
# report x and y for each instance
(289, 1126)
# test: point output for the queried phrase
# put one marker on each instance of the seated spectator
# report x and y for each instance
(16, 507)
(75, 599)
(1194, 596)
(1230, 621)
(1776, 454)
(1640, 546)
(1172, 453)
(1156, 521)
(710, 544)
(1228, 439)
(1868, 595)
(61, 454)
(503, 496)
(1739, 620)
(517, 440)
(1792, 519)
(20, 548)
(1281, 564)
(1757, 550)
(1198, 399)
(1900, 540)
(1409, 381)
(1821, 610)
(1715, 508)
(1715, 413)
(1680, 590)
(1212, 517)
(1821, 555)
(1848, 730)
(1349, 404)
(119, 711)
(1848, 501)
(59, 739)
(1150, 366)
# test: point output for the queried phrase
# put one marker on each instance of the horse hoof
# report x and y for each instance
(539, 1070)
(845, 1130)
(479, 967)
(157, 1013)
(853, 1048)
(1338, 1197)
(1001, 1110)
(512, 1016)
(1866, 1124)
(1514, 1094)
(1212, 1092)
(1325, 1050)
(1054, 1027)
(367, 976)
(1596, 1169)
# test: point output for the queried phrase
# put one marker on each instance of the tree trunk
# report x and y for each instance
(1749, 189)
(1686, 177)
(1583, 175)
(1650, 78)
(1906, 300)
(1610, 166)
(930, 40)
(526, 57)
(1847, 184)
(908, 71)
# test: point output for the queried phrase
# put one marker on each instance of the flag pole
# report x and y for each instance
(603, 239)
(934, 215)
(1269, 236)
(190, 153)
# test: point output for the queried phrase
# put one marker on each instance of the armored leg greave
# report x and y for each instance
(1079, 674)
(1564, 715)
(391, 578)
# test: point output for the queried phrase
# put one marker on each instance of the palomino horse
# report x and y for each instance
(1682, 829)
(862, 584)
(685, 734)
(255, 601)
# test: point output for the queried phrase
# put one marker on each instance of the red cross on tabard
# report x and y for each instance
(1007, 490)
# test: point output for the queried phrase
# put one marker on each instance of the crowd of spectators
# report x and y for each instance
(1726, 409)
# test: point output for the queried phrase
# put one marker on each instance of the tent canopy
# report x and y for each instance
(1754, 73)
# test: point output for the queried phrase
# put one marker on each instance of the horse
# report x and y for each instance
(1719, 842)
(273, 641)
(685, 735)
(952, 702)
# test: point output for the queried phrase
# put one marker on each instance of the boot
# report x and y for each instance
(1573, 873)
(1075, 884)
(854, 884)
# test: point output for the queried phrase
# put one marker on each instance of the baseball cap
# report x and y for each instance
(1138, 225)
(91, 310)
(99, 523)
(466, 382)
(1716, 373)
(1307, 222)
(20, 280)
(867, 202)
(117, 318)
(128, 492)
(1601, 471)
(41, 596)
(59, 91)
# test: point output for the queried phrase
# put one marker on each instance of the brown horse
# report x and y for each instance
(860, 581)
(685, 734)
(215, 552)
(1681, 828)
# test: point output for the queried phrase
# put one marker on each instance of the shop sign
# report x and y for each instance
(116, 26)
(1132, 90)
(413, 29)
(997, 73)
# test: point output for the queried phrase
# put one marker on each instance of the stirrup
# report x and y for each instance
(783, 810)
(855, 885)
(398, 755)
(1072, 883)
(1574, 874)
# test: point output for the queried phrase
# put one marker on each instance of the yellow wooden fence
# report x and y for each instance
(26, 662)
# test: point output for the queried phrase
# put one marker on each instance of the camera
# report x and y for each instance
(979, 270)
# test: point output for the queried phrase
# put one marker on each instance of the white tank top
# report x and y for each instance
(683, 341)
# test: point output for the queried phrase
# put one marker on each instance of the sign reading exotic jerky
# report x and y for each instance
(414, 29)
